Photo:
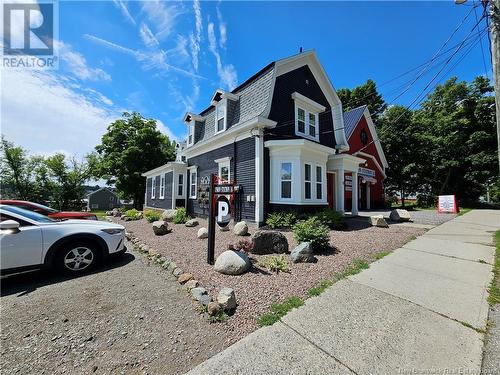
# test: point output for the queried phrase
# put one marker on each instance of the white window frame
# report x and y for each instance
(153, 187)
(310, 107)
(190, 137)
(224, 162)
(179, 185)
(162, 186)
(306, 181)
(193, 183)
(321, 183)
(280, 177)
(218, 115)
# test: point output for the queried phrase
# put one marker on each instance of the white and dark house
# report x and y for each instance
(279, 136)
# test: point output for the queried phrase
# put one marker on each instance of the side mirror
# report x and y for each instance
(9, 224)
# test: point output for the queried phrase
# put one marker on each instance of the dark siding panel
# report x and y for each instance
(244, 172)
(300, 80)
(168, 189)
(148, 191)
(165, 203)
(103, 200)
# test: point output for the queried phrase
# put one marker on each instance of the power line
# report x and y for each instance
(482, 49)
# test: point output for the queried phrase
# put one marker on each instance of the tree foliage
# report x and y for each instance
(366, 94)
(131, 146)
(54, 179)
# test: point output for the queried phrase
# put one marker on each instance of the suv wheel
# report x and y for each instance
(77, 258)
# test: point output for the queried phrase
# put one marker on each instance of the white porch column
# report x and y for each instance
(339, 190)
(368, 198)
(355, 189)
(259, 177)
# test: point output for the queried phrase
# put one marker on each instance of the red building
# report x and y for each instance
(363, 142)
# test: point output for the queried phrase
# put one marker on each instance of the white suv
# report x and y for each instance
(30, 240)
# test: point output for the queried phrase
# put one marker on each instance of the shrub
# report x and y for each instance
(332, 219)
(181, 216)
(275, 263)
(313, 231)
(152, 215)
(133, 214)
(242, 245)
(281, 219)
(278, 310)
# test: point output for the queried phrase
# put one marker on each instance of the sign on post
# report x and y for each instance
(447, 204)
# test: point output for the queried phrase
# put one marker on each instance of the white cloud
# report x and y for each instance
(222, 28)
(166, 130)
(36, 106)
(227, 73)
(195, 38)
(147, 36)
(124, 10)
(162, 15)
(77, 64)
(156, 60)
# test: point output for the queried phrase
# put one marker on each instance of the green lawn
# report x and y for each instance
(101, 214)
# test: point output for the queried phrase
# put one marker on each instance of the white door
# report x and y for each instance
(21, 248)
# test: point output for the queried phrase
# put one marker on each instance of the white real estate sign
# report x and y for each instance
(447, 203)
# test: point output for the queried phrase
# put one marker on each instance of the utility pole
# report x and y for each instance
(495, 52)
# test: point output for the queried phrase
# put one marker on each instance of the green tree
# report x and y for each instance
(458, 125)
(403, 148)
(365, 94)
(131, 146)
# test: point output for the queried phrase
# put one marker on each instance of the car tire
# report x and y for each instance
(76, 258)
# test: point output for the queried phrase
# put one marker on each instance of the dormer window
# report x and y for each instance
(220, 116)
(190, 140)
(307, 116)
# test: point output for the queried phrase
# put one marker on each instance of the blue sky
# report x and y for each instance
(165, 58)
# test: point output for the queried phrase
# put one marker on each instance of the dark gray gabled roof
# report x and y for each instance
(351, 119)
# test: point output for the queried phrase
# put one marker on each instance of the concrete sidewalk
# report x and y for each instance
(419, 309)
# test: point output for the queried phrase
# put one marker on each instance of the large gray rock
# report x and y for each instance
(269, 242)
(399, 215)
(240, 229)
(226, 299)
(160, 228)
(191, 223)
(378, 221)
(202, 233)
(168, 215)
(232, 263)
(303, 253)
(201, 295)
(117, 212)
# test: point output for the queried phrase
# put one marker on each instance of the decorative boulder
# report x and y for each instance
(201, 295)
(185, 277)
(116, 212)
(109, 213)
(191, 284)
(227, 299)
(240, 229)
(160, 228)
(232, 263)
(202, 233)
(400, 215)
(177, 272)
(378, 221)
(191, 223)
(303, 253)
(168, 215)
(269, 242)
(139, 216)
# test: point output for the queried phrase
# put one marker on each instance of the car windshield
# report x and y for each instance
(28, 214)
(45, 208)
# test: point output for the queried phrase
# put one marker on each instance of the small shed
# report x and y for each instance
(102, 199)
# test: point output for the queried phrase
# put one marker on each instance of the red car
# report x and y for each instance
(50, 212)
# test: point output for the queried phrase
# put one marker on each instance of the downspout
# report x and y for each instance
(338, 128)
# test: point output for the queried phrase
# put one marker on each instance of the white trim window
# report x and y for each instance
(286, 180)
(221, 116)
(319, 182)
(190, 139)
(224, 172)
(153, 187)
(180, 185)
(306, 123)
(307, 180)
(193, 183)
(162, 186)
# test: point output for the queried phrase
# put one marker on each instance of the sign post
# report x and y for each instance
(211, 223)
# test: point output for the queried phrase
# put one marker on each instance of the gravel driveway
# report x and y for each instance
(426, 217)
(126, 318)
